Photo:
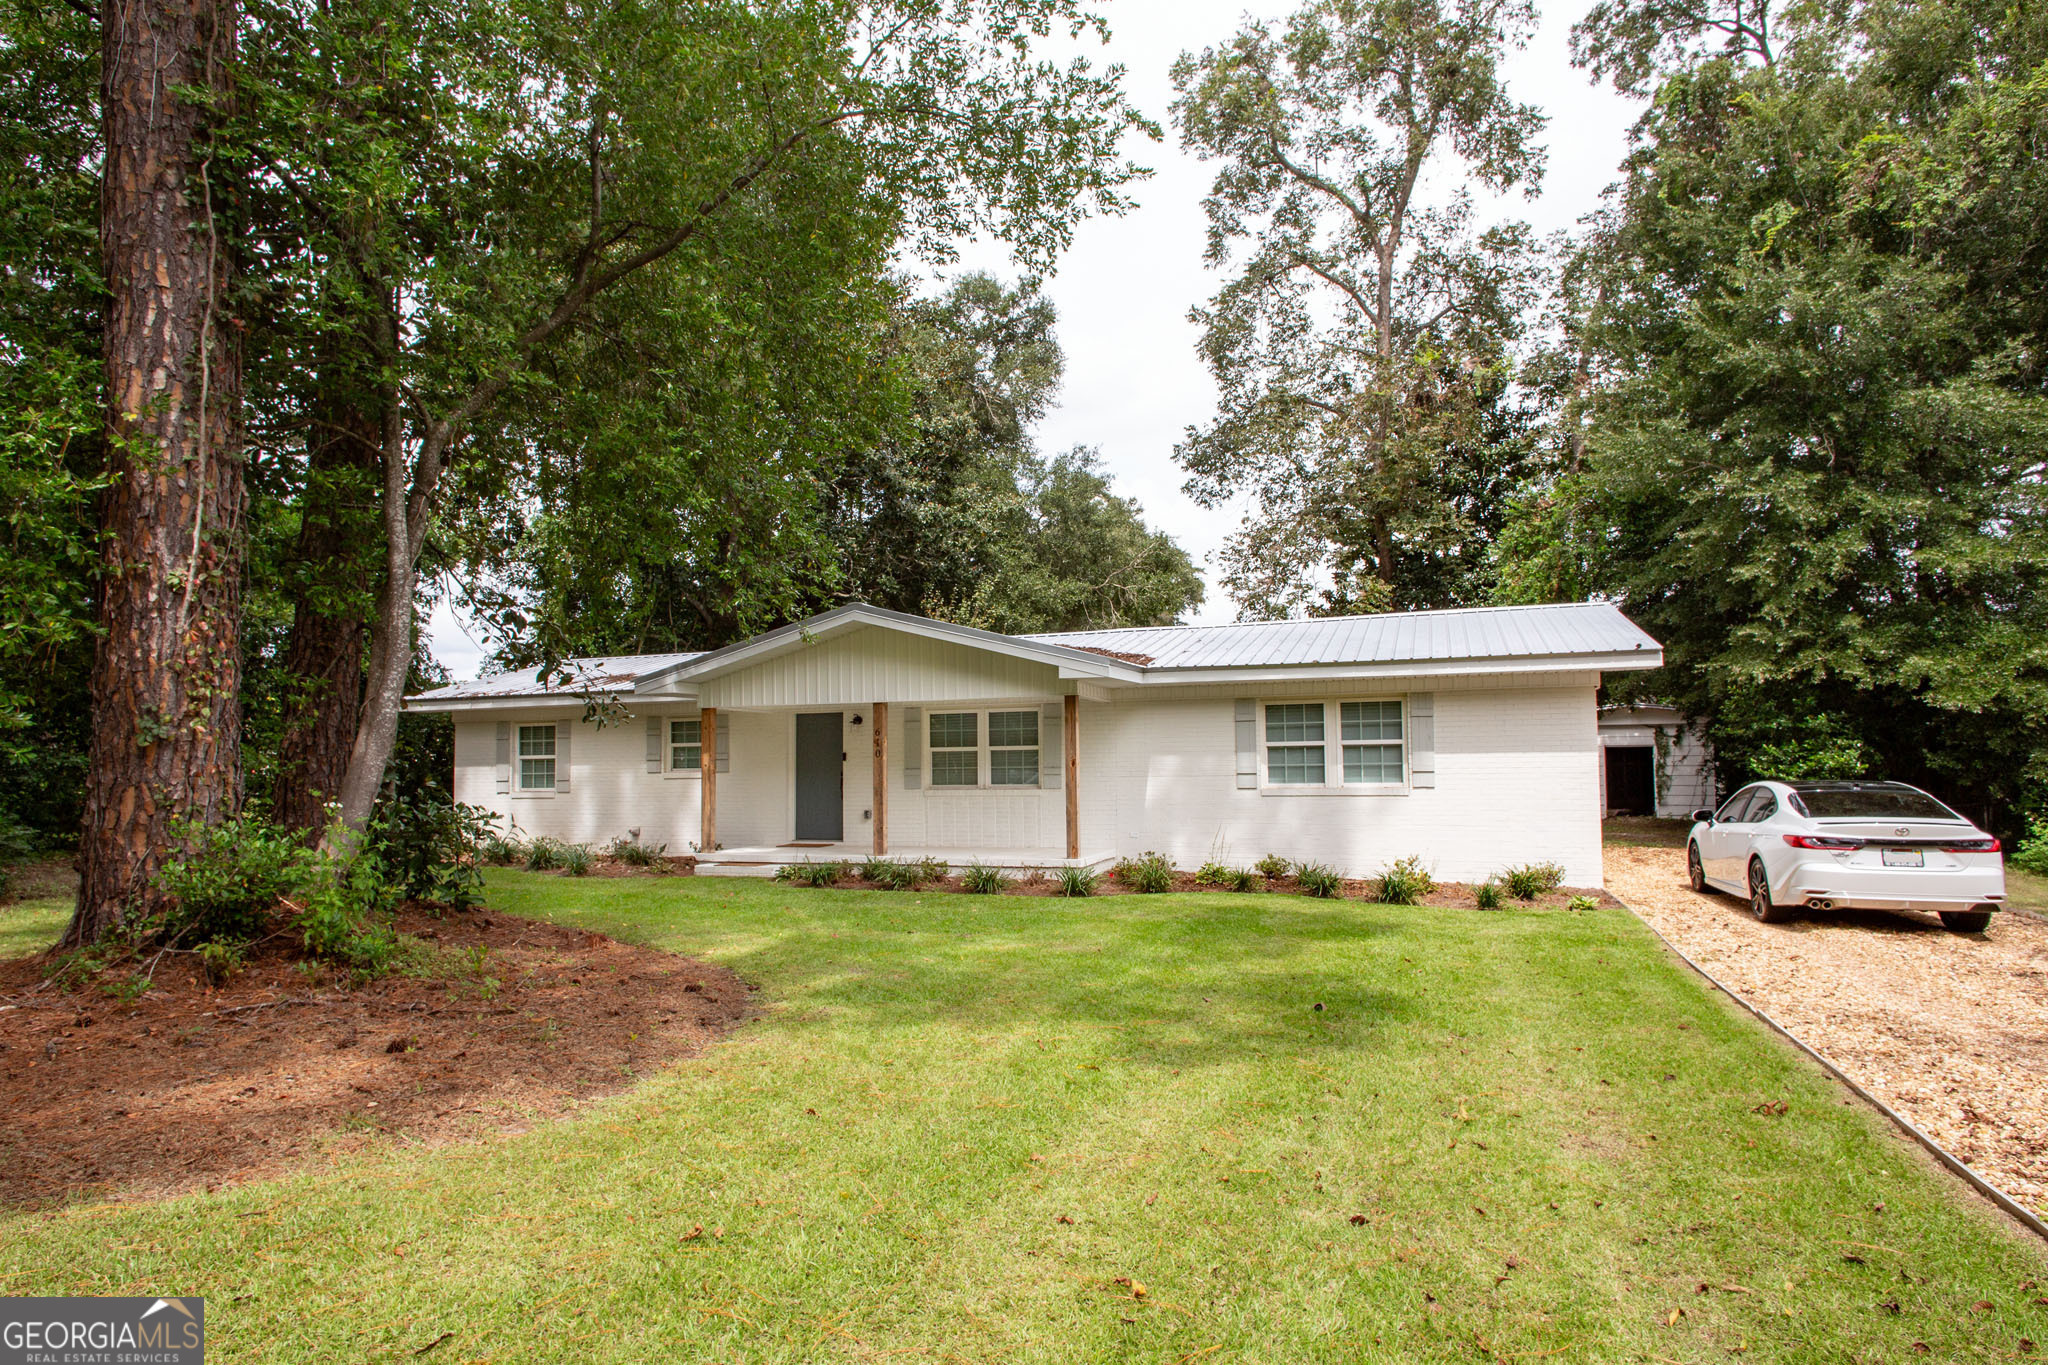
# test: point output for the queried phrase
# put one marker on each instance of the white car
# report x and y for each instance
(1847, 846)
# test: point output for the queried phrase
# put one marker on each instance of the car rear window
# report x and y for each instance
(1871, 803)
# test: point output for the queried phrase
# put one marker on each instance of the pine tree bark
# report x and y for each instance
(166, 744)
(339, 546)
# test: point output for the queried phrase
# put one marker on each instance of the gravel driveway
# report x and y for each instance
(1949, 1029)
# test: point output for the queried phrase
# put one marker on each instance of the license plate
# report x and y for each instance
(1904, 857)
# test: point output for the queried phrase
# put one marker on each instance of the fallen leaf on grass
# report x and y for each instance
(1138, 1291)
(432, 1344)
(1358, 1220)
(1064, 1219)
(1671, 1318)
(694, 1233)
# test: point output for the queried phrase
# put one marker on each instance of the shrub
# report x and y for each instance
(2032, 853)
(934, 870)
(17, 841)
(819, 874)
(633, 853)
(432, 847)
(790, 872)
(1405, 883)
(1148, 875)
(874, 869)
(902, 876)
(576, 859)
(1214, 874)
(228, 883)
(1581, 904)
(1319, 880)
(1077, 881)
(220, 961)
(982, 880)
(1273, 867)
(1486, 896)
(543, 854)
(347, 919)
(1244, 879)
(1527, 882)
(502, 850)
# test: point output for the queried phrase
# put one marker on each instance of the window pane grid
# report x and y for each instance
(1293, 764)
(954, 767)
(536, 741)
(955, 729)
(1372, 763)
(1367, 720)
(536, 774)
(1012, 767)
(1294, 722)
(1013, 729)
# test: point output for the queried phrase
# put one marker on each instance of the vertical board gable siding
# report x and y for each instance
(871, 665)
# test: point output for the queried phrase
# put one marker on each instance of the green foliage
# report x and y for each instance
(1318, 880)
(1405, 883)
(543, 854)
(1486, 896)
(347, 918)
(1527, 882)
(633, 853)
(1815, 388)
(219, 962)
(934, 869)
(433, 847)
(983, 880)
(875, 870)
(502, 850)
(2032, 853)
(1360, 347)
(575, 859)
(818, 874)
(228, 882)
(1273, 867)
(1579, 905)
(1077, 881)
(1148, 875)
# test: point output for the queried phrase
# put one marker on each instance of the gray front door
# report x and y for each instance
(820, 805)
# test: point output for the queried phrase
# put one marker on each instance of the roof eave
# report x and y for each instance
(1614, 662)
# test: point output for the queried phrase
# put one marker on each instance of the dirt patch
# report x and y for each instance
(1946, 1028)
(187, 1086)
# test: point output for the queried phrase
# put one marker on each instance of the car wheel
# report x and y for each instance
(1760, 896)
(1966, 921)
(1695, 870)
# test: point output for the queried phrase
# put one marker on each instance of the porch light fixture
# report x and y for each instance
(856, 718)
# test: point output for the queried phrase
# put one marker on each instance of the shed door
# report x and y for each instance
(820, 801)
(1631, 780)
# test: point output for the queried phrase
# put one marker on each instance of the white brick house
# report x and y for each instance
(1468, 738)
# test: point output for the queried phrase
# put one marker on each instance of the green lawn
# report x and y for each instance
(967, 1129)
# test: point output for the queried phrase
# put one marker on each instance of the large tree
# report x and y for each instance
(1360, 344)
(1815, 451)
(165, 679)
(570, 153)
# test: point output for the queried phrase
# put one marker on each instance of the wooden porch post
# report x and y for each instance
(1073, 756)
(707, 738)
(881, 720)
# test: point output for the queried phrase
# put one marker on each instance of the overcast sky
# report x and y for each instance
(1133, 381)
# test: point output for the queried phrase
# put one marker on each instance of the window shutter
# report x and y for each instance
(563, 730)
(1247, 743)
(1422, 739)
(1052, 734)
(655, 740)
(913, 748)
(724, 743)
(504, 755)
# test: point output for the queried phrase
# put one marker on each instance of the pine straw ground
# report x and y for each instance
(1948, 1029)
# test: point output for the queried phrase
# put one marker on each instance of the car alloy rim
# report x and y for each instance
(1759, 894)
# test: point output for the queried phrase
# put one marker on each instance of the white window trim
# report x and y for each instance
(983, 764)
(1333, 783)
(519, 790)
(668, 749)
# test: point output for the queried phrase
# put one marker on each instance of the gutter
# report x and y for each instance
(2017, 1211)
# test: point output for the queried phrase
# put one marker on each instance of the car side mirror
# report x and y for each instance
(1703, 816)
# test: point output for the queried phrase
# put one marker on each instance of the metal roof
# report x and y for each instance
(606, 673)
(1463, 633)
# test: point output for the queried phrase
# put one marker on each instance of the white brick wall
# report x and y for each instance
(1518, 781)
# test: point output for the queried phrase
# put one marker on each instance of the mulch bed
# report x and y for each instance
(188, 1086)
(1446, 895)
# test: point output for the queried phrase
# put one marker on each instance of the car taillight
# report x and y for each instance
(1972, 846)
(1822, 841)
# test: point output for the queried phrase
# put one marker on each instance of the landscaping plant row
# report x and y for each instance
(1406, 882)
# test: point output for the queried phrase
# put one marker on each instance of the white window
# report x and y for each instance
(1366, 736)
(685, 745)
(536, 758)
(984, 748)
(956, 748)
(1013, 748)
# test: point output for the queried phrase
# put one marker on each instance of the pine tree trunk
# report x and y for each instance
(340, 539)
(166, 744)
